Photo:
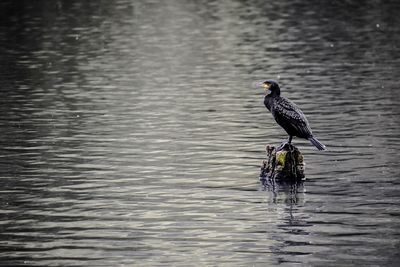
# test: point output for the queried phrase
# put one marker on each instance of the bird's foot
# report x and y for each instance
(282, 145)
(285, 144)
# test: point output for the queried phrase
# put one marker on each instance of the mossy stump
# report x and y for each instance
(285, 163)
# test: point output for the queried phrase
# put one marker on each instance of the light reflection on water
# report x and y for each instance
(131, 133)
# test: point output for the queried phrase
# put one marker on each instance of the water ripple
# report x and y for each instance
(132, 133)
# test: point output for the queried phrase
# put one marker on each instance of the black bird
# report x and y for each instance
(288, 115)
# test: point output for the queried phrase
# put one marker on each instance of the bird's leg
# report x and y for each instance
(289, 142)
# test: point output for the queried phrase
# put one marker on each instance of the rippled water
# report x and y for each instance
(131, 134)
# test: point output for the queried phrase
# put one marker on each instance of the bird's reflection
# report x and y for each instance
(288, 198)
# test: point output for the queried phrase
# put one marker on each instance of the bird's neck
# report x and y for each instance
(274, 94)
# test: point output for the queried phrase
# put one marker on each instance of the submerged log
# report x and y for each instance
(284, 163)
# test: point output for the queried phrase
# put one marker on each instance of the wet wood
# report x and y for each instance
(285, 163)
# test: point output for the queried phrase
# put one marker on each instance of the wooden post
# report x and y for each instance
(284, 164)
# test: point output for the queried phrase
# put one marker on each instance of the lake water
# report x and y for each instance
(132, 135)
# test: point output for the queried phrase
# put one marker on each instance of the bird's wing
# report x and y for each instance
(287, 114)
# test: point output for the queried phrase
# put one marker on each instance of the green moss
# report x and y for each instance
(281, 157)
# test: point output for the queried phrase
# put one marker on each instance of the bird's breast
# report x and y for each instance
(268, 102)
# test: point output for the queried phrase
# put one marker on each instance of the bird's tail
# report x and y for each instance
(317, 143)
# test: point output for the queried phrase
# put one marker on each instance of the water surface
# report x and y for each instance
(131, 133)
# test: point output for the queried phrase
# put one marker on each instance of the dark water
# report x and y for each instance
(131, 134)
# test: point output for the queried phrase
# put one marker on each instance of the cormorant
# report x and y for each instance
(288, 115)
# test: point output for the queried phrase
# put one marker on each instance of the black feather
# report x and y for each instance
(289, 116)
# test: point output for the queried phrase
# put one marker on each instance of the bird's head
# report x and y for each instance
(271, 87)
